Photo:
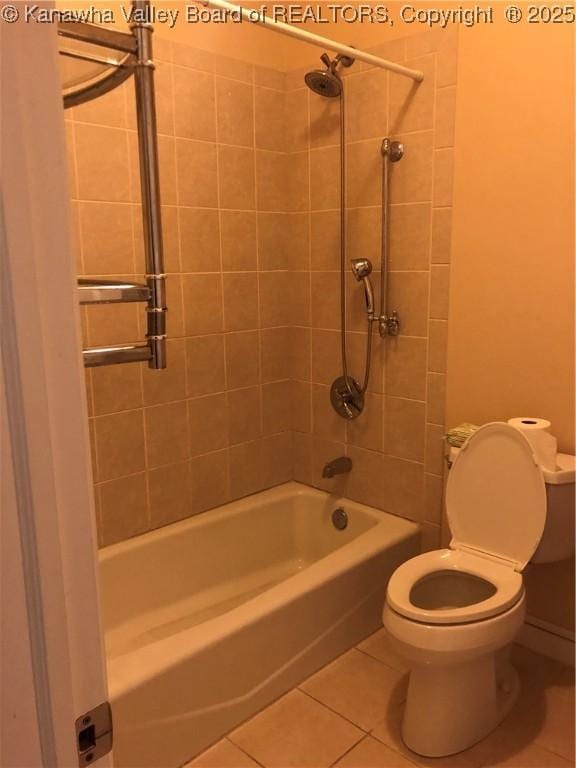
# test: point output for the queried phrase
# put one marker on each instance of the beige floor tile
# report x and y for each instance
(224, 754)
(372, 754)
(358, 687)
(296, 731)
(378, 646)
(525, 756)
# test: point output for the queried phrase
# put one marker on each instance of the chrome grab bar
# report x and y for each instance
(131, 353)
(388, 324)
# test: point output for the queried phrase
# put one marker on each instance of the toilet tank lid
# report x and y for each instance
(564, 474)
(496, 496)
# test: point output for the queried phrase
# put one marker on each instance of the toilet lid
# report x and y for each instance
(496, 496)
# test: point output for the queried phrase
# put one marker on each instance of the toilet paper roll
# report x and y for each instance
(544, 445)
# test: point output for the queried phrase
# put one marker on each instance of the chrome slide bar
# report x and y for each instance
(388, 324)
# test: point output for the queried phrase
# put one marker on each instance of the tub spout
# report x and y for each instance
(337, 467)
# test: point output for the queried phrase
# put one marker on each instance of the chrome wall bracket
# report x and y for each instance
(389, 325)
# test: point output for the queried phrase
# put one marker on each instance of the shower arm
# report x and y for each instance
(388, 324)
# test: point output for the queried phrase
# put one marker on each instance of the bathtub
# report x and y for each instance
(210, 619)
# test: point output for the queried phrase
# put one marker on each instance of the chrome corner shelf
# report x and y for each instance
(96, 60)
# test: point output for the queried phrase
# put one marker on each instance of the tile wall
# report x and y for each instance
(249, 164)
(396, 445)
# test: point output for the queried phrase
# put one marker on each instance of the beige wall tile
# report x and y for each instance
(271, 180)
(438, 341)
(325, 421)
(366, 430)
(443, 176)
(273, 245)
(404, 428)
(242, 359)
(408, 295)
(238, 240)
(430, 537)
(301, 406)
(324, 121)
(364, 173)
(447, 71)
(174, 302)
(209, 486)
(298, 182)
(441, 235)
(244, 415)
(302, 457)
(356, 348)
(274, 308)
(202, 304)
(411, 103)
(108, 109)
(240, 301)
(235, 110)
(439, 292)
(113, 324)
(364, 235)
(245, 469)
(116, 388)
(276, 407)
(433, 499)
(325, 300)
(71, 159)
(299, 296)
(170, 498)
(277, 462)
(326, 358)
(296, 117)
(195, 58)
(208, 424)
(167, 163)
(233, 68)
(123, 508)
(119, 444)
(167, 433)
(445, 117)
(270, 78)
(198, 186)
(276, 354)
(298, 236)
(409, 246)
(403, 487)
(434, 449)
(436, 398)
(300, 352)
(205, 365)
(325, 240)
(199, 240)
(324, 178)
(102, 163)
(167, 385)
(270, 124)
(364, 483)
(411, 178)
(106, 238)
(236, 178)
(194, 108)
(406, 367)
(367, 107)
(170, 238)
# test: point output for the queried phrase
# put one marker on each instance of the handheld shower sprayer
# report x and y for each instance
(362, 269)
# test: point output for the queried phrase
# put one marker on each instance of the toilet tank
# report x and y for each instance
(557, 542)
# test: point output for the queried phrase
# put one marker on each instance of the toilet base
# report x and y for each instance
(451, 708)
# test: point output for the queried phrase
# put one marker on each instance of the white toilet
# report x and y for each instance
(452, 613)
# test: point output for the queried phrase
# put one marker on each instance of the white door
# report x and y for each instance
(52, 668)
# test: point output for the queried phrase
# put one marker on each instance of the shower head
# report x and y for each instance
(327, 82)
(324, 82)
(361, 268)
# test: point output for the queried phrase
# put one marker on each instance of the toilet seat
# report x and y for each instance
(505, 580)
(496, 509)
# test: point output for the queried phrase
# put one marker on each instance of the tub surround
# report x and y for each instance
(251, 254)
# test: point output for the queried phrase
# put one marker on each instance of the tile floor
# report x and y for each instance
(348, 715)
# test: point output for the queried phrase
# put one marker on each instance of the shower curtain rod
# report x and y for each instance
(256, 17)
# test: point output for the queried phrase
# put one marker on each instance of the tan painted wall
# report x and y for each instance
(511, 344)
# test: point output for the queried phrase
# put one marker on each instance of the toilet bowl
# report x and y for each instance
(453, 613)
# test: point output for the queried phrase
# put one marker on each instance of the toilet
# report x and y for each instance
(453, 613)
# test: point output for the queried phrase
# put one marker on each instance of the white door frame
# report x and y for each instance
(52, 662)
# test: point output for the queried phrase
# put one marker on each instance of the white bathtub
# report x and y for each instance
(210, 619)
